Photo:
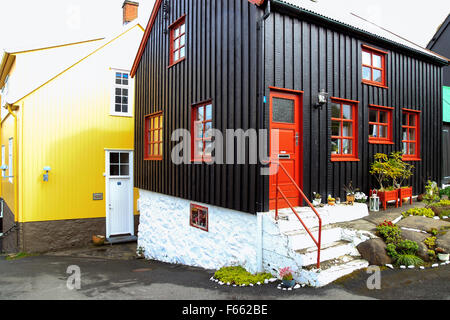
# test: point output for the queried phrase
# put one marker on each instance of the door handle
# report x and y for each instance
(297, 137)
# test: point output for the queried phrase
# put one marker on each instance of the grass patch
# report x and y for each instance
(20, 255)
(408, 260)
(240, 276)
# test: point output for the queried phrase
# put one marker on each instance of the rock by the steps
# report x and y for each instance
(443, 241)
(374, 251)
(419, 238)
(421, 223)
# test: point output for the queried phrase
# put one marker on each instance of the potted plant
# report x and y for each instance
(317, 199)
(331, 201)
(350, 192)
(98, 240)
(361, 197)
(385, 169)
(402, 172)
(286, 277)
(442, 254)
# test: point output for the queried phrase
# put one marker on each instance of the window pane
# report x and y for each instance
(124, 100)
(383, 131)
(366, 58)
(405, 148)
(412, 134)
(176, 55)
(182, 52)
(366, 73)
(404, 134)
(125, 170)
(118, 108)
(347, 130)
(335, 146)
(176, 32)
(347, 111)
(118, 92)
(405, 119)
(373, 115)
(412, 148)
(373, 131)
(347, 146)
(377, 75)
(377, 61)
(125, 108)
(124, 158)
(283, 110)
(176, 44)
(383, 117)
(118, 99)
(125, 82)
(182, 41)
(208, 129)
(114, 157)
(199, 130)
(182, 28)
(412, 120)
(208, 148)
(336, 110)
(200, 113)
(208, 112)
(335, 128)
(125, 92)
(160, 149)
(114, 170)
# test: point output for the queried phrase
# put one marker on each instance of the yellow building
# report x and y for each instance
(67, 132)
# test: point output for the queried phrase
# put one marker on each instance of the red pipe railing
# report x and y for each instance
(278, 191)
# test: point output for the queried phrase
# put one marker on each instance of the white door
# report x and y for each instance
(119, 193)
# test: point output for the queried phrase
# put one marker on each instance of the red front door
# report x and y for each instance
(286, 119)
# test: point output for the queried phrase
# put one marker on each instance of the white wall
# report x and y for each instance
(166, 235)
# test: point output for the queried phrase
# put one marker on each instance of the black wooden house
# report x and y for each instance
(241, 58)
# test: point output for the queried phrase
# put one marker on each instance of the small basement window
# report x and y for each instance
(380, 125)
(178, 41)
(199, 217)
(373, 66)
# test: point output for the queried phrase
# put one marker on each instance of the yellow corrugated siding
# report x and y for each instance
(67, 126)
(7, 132)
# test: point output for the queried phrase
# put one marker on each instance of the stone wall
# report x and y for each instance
(9, 242)
(166, 235)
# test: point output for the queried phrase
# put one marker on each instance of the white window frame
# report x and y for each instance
(115, 86)
(10, 158)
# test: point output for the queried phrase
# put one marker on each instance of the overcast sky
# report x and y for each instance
(34, 23)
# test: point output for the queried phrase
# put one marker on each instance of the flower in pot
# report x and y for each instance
(361, 197)
(317, 199)
(98, 240)
(350, 192)
(287, 277)
(331, 201)
(442, 254)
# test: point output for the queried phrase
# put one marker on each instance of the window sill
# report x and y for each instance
(339, 159)
(375, 84)
(121, 115)
(381, 142)
(175, 63)
(411, 159)
(153, 159)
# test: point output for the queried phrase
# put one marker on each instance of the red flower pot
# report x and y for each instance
(404, 193)
(386, 196)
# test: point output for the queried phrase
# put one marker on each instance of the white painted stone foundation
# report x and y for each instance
(166, 235)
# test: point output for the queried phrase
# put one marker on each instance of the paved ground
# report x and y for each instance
(45, 277)
(112, 272)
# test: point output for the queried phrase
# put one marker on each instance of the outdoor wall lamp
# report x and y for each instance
(322, 99)
(46, 169)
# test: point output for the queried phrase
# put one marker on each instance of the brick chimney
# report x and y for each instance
(130, 11)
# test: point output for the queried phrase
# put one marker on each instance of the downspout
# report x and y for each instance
(15, 169)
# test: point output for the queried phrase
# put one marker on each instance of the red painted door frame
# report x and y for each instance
(290, 152)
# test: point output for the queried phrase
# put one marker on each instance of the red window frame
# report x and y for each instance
(379, 140)
(204, 121)
(192, 223)
(411, 114)
(177, 38)
(354, 138)
(151, 132)
(377, 52)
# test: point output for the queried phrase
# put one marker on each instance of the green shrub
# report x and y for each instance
(389, 232)
(434, 231)
(391, 250)
(239, 276)
(445, 192)
(430, 242)
(408, 260)
(442, 203)
(431, 254)
(407, 247)
(427, 212)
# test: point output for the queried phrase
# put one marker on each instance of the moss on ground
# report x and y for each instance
(20, 255)
(239, 276)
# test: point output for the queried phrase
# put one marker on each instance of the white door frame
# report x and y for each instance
(108, 179)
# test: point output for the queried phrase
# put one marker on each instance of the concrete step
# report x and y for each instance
(300, 239)
(330, 271)
(328, 252)
(121, 239)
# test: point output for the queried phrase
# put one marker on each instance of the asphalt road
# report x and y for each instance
(46, 278)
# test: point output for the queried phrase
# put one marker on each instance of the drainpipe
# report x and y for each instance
(15, 169)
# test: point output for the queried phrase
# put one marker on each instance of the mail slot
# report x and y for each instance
(284, 156)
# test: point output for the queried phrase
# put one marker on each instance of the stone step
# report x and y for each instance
(328, 252)
(330, 271)
(121, 239)
(300, 239)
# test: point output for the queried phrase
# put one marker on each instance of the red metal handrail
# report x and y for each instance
(278, 190)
